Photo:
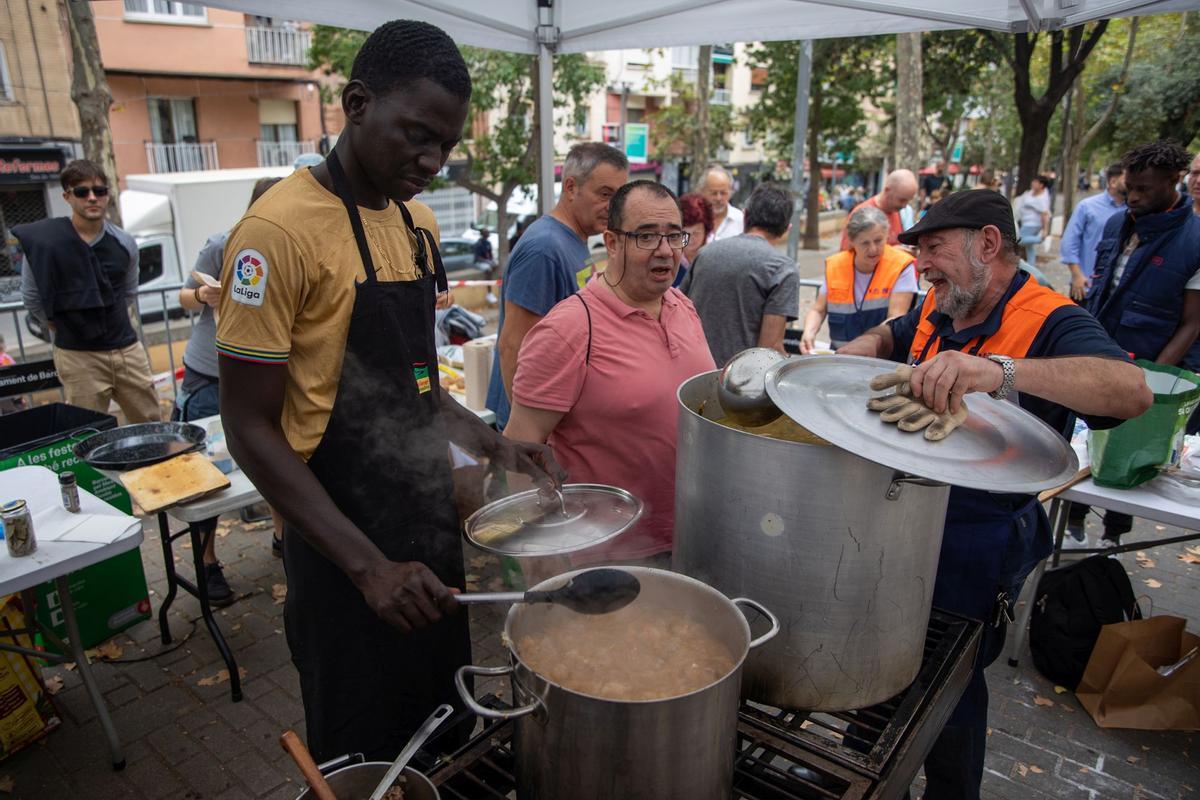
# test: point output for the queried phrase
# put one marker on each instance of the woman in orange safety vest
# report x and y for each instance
(864, 286)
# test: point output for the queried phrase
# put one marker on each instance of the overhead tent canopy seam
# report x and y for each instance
(545, 27)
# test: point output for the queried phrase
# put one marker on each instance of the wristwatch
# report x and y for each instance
(1010, 376)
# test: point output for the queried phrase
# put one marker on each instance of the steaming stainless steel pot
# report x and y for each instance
(577, 746)
(844, 550)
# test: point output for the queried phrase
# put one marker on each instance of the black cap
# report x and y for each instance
(972, 209)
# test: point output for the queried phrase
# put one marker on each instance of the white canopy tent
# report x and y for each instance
(544, 27)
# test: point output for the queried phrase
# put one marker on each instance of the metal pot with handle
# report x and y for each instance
(584, 747)
(353, 779)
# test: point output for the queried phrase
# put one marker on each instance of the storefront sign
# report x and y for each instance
(33, 376)
(31, 165)
(637, 136)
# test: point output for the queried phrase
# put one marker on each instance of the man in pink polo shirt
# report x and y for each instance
(596, 378)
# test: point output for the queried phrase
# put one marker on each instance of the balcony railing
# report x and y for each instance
(282, 154)
(269, 45)
(182, 157)
(720, 97)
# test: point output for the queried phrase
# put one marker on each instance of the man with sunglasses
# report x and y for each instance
(80, 279)
(596, 377)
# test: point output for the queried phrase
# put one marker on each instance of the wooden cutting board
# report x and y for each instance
(176, 480)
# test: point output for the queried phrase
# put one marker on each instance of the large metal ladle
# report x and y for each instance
(742, 388)
(596, 591)
(426, 730)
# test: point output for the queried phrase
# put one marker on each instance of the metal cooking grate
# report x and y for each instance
(782, 755)
(868, 738)
(764, 769)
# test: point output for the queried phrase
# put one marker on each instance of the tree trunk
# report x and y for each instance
(1082, 136)
(502, 233)
(1069, 51)
(1035, 131)
(1070, 176)
(812, 223)
(909, 93)
(92, 97)
(700, 142)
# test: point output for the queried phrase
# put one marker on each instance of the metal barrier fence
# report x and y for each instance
(26, 337)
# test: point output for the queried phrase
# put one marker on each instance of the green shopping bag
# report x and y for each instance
(1131, 453)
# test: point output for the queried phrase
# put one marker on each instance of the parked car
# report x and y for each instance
(459, 259)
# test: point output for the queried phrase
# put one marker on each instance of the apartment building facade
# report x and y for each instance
(638, 84)
(39, 127)
(203, 88)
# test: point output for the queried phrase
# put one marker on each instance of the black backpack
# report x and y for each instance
(1070, 606)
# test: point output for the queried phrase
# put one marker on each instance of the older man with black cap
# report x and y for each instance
(987, 326)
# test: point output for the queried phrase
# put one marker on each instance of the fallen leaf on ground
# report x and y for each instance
(54, 684)
(187, 545)
(237, 626)
(1188, 558)
(1133, 759)
(220, 677)
(279, 592)
(1153, 584)
(7, 783)
(1066, 708)
(1022, 769)
(1144, 561)
(1160, 527)
(989, 731)
(70, 667)
(256, 526)
(109, 650)
(1084, 770)
(1038, 700)
(1060, 690)
(1193, 550)
(1035, 769)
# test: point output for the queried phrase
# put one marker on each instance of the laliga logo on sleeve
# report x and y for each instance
(249, 278)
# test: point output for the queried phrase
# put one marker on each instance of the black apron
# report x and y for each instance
(383, 459)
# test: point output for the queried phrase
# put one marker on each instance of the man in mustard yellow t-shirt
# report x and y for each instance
(331, 401)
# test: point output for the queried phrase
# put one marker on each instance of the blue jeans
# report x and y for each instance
(1031, 237)
(196, 405)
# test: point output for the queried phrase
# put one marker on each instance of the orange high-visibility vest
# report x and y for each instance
(848, 318)
(1024, 315)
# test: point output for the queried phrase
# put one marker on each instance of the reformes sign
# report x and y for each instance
(30, 165)
(33, 376)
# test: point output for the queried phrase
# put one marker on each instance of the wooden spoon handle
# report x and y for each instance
(308, 768)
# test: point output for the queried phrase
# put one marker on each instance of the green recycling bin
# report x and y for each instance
(112, 595)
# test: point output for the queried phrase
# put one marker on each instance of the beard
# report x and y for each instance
(957, 301)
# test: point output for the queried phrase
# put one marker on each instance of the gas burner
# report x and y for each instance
(782, 754)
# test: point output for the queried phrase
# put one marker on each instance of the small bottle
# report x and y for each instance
(18, 528)
(70, 491)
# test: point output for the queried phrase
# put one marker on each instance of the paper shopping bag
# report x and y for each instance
(1121, 687)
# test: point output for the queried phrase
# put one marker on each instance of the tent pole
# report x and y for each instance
(548, 37)
(803, 80)
(545, 112)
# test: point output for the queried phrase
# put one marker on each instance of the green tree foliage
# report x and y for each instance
(956, 69)
(846, 73)
(1048, 63)
(503, 155)
(672, 127)
(1162, 94)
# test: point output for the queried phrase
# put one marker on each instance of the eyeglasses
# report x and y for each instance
(650, 240)
(83, 191)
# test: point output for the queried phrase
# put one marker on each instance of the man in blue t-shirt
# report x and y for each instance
(550, 262)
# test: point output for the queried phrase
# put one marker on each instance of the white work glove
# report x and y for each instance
(907, 412)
